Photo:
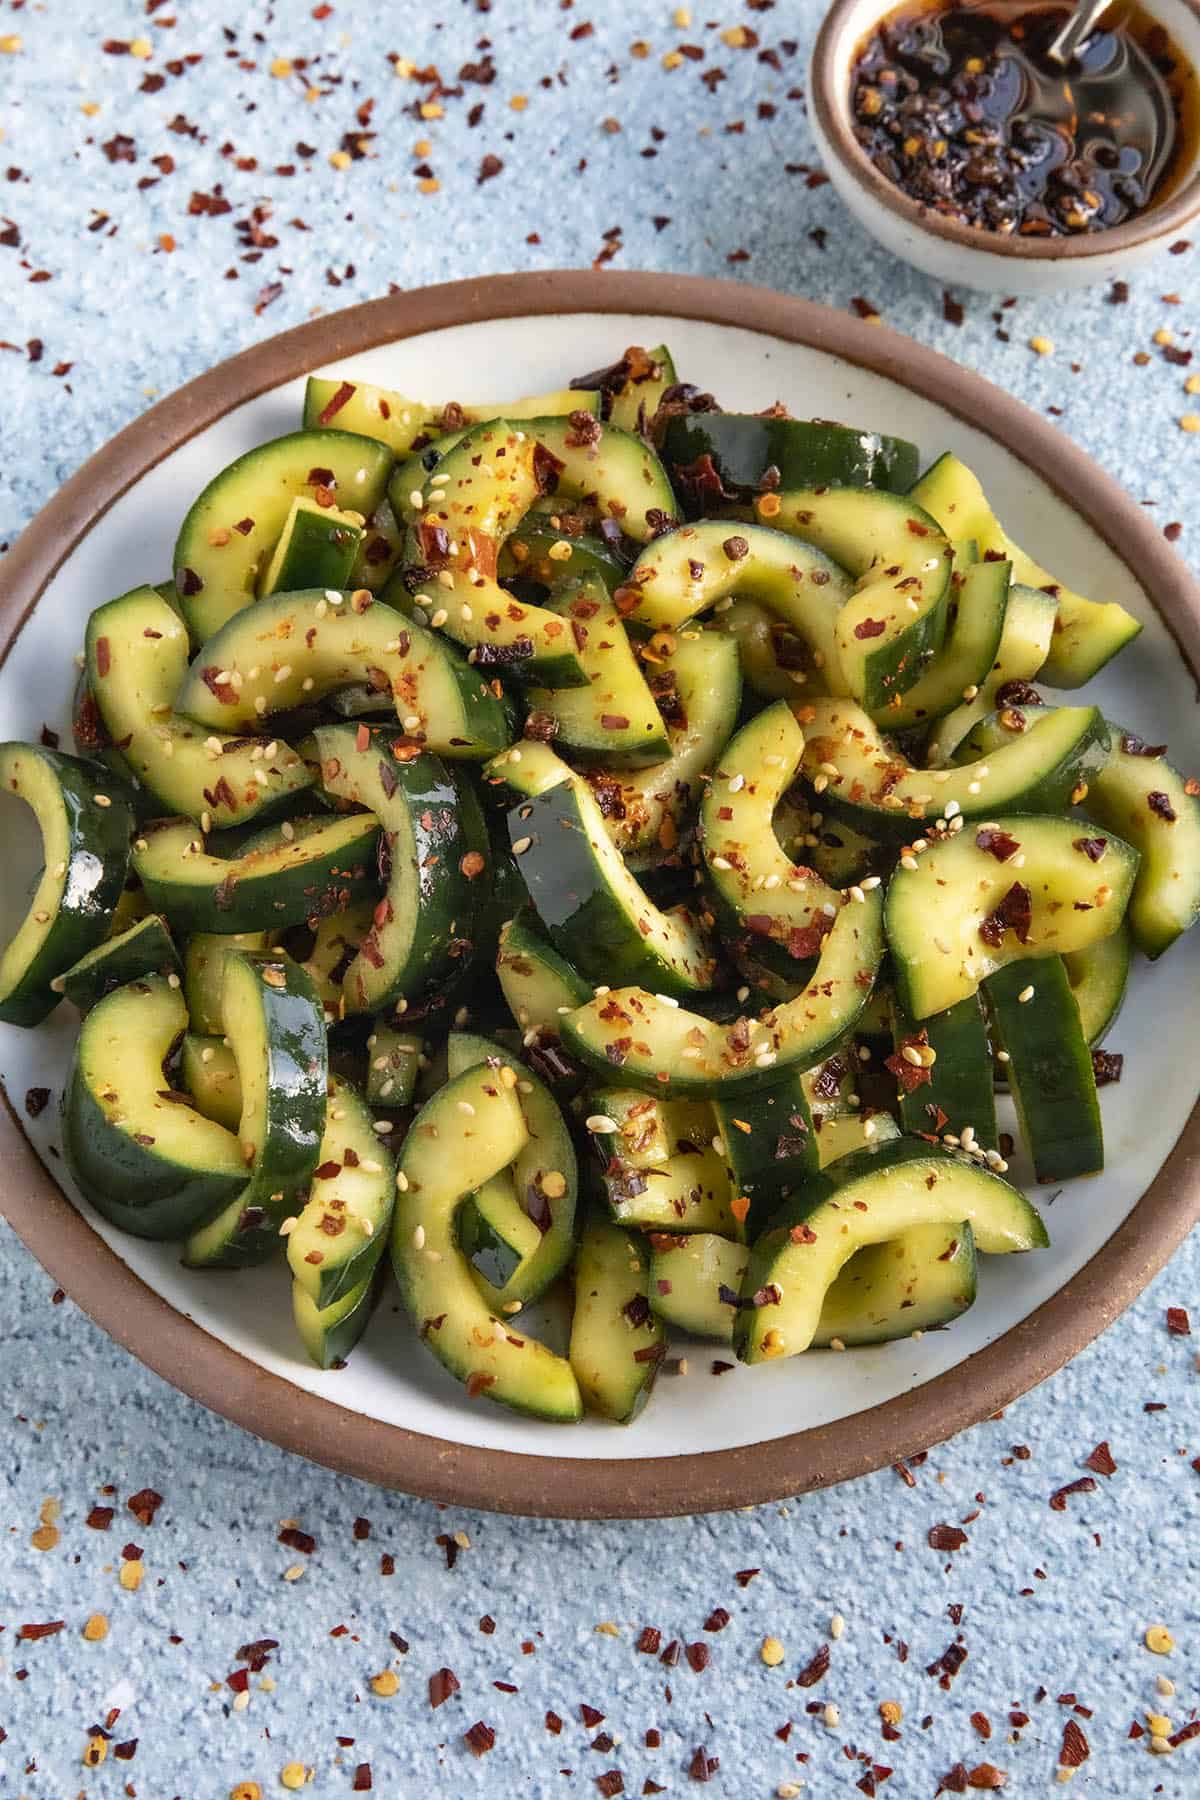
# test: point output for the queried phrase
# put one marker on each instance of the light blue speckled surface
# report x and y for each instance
(697, 174)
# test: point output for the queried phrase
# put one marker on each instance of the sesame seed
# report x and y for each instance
(720, 862)
(102, 799)
(401, 1181)
(1025, 994)
(912, 1055)
(464, 1106)
(970, 692)
(666, 1000)
(869, 882)
(282, 673)
(522, 845)
(908, 862)
(601, 1123)
(856, 893)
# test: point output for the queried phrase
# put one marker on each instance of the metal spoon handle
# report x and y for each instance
(1069, 41)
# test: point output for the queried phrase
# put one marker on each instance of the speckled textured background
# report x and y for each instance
(170, 198)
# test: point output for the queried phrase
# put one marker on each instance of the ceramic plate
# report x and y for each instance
(392, 1414)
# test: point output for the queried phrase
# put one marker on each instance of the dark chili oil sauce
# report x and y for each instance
(961, 107)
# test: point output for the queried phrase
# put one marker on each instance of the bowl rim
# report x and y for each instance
(829, 71)
(202, 1366)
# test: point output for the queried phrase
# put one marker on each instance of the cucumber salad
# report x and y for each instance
(601, 850)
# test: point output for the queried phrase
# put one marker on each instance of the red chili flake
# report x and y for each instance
(670, 1655)
(1014, 913)
(480, 1738)
(239, 1681)
(1101, 1461)
(362, 1783)
(1173, 532)
(127, 1751)
(554, 1724)
(948, 1663)
(650, 1353)
(295, 1539)
(703, 1766)
(144, 1504)
(1075, 1747)
(336, 402)
(698, 1655)
(1178, 1322)
(487, 1624)
(100, 1518)
(546, 469)
(189, 582)
(813, 1670)
(590, 1716)
(909, 1075)
(1160, 805)
(870, 628)
(987, 1775)
(1185, 1734)
(865, 308)
(31, 1633)
(361, 1529)
(717, 1619)
(722, 1368)
(648, 1640)
(257, 1654)
(1000, 844)
(611, 1783)
(652, 1787)
(1083, 1485)
(442, 1683)
(387, 1563)
(952, 310)
(805, 941)
(947, 1537)
(955, 1781)
(36, 1100)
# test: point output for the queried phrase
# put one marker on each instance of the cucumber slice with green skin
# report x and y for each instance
(593, 909)
(660, 1171)
(147, 948)
(379, 552)
(1086, 634)
(137, 660)
(612, 470)
(90, 736)
(1038, 759)
(1152, 804)
(539, 1194)
(331, 1335)
(617, 1343)
(647, 1039)
(895, 620)
(394, 1065)
(1049, 1068)
(923, 1279)
(321, 870)
(1023, 648)
(937, 914)
(227, 538)
(317, 547)
(631, 389)
(276, 1029)
(870, 1197)
(804, 453)
(955, 1094)
(143, 1158)
(769, 1145)
(536, 551)
(85, 819)
(778, 904)
(209, 1072)
(448, 1154)
(341, 1231)
(644, 810)
(841, 1133)
(397, 421)
(840, 853)
(538, 984)
(204, 974)
(436, 846)
(613, 721)
(293, 649)
(775, 661)
(1098, 977)
(979, 599)
(685, 572)
(335, 942)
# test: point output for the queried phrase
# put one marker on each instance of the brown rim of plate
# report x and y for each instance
(828, 72)
(553, 1486)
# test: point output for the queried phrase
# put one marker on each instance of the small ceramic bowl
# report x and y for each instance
(958, 254)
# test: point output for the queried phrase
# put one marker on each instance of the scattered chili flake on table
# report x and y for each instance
(1178, 1322)
(1101, 1462)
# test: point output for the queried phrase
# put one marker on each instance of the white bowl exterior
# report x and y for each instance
(389, 1376)
(968, 265)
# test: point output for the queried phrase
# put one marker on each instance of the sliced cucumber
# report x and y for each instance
(341, 1231)
(397, 421)
(870, 1197)
(1098, 976)
(293, 649)
(791, 453)
(330, 1336)
(954, 1093)
(143, 1157)
(276, 1029)
(538, 984)
(137, 660)
(613, 721)
(594, 910)
(321, 868)
(437, 863)
(1023, 648)
(395, 1061)
(979, 602)
(1041, 759)
(1086, 634)
(617, 1343)
(1049, 1067)
(317, 547)
(631, 390)
(147, 948)
(447, 1155)
(769, 1143)
(204, 974)
(334, 944)
(966, 910)
(537, 551)
(84, 819)
(660, 1169)
(665, 1049)
(775, 660)
(694, 1283)
(209, 1072)
(1142, 796)
(227, 538)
